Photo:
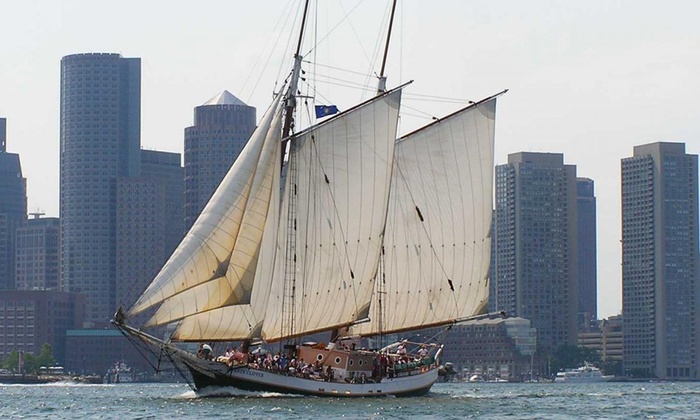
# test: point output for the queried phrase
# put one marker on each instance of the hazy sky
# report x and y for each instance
(589, 79)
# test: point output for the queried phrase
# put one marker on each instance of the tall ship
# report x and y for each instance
(339, 228)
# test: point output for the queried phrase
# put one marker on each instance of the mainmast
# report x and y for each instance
(381, 275)
(382, 78)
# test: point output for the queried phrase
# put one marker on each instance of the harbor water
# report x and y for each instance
(641, 400)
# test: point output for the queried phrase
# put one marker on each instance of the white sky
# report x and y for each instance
(589, 79)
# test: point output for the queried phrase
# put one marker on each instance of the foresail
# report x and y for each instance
(340, 171)
(437, 241)
(214, 265)
(243, 321)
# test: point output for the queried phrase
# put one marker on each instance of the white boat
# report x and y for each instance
(364, 235)
(119, 373)
(583, 374)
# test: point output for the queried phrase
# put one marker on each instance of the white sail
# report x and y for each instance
(213, 266)
(438, 224)
(243, 321)
(341, 172)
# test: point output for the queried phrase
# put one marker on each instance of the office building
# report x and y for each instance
(606, 338)
(30, 319)
(535, 269)
(220, 131)
(587, 261)
(149, 222)
(660, 285)
(13, 208)
(100, 143)
(492, 348)
(37, 256)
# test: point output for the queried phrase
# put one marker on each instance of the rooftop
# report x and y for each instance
(224, 98)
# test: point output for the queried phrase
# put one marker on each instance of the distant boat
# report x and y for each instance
(476, 378)
(584, 374)
(119, 373)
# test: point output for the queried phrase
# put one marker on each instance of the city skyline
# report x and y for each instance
(589, 80)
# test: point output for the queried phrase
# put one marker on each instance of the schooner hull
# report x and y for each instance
(207, 374)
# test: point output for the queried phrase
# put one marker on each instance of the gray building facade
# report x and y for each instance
(221, 129)
(587, 260)
(100, 143)
(534, 274)
(660, 280)
(149, 222)
(31, 318)
(13, 208)
(37, 256)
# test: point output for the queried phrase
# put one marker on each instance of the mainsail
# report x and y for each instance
(437, 242)
(338, 186)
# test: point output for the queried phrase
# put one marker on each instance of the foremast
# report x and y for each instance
(289, 294)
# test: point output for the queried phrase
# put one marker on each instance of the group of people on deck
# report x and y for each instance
(387, 363)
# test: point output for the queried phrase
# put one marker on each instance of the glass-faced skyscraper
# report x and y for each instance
(220, 131)
(100, 142)
(660, 284)
(534, 271)
(13, 208)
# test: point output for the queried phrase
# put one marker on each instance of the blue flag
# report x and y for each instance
(325, 110)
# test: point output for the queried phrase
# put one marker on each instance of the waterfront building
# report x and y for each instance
(660, 280)
(587, 261)
(37, 256)
(534, 274)
(31, 318)
(13, 208)
(606, 338)
(221, 129)
(100, 142)
(92, 351)
(492, 348)
(149, 222)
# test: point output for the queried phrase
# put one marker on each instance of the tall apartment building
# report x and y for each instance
(149, 222)
(13, 208)
(100, 142)
(660, 280)
(535, 269)
(37, 254)
(220, 131)
(587, 261)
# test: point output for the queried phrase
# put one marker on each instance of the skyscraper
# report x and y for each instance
(587, 261)
(660, 280)
(149, 222)
(220, 131)
(13, 208)
(535, 270)
(100, 142)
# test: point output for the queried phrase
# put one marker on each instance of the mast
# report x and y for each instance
(381, 275)
(382, 79)
(290, 99)
(289, 298)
